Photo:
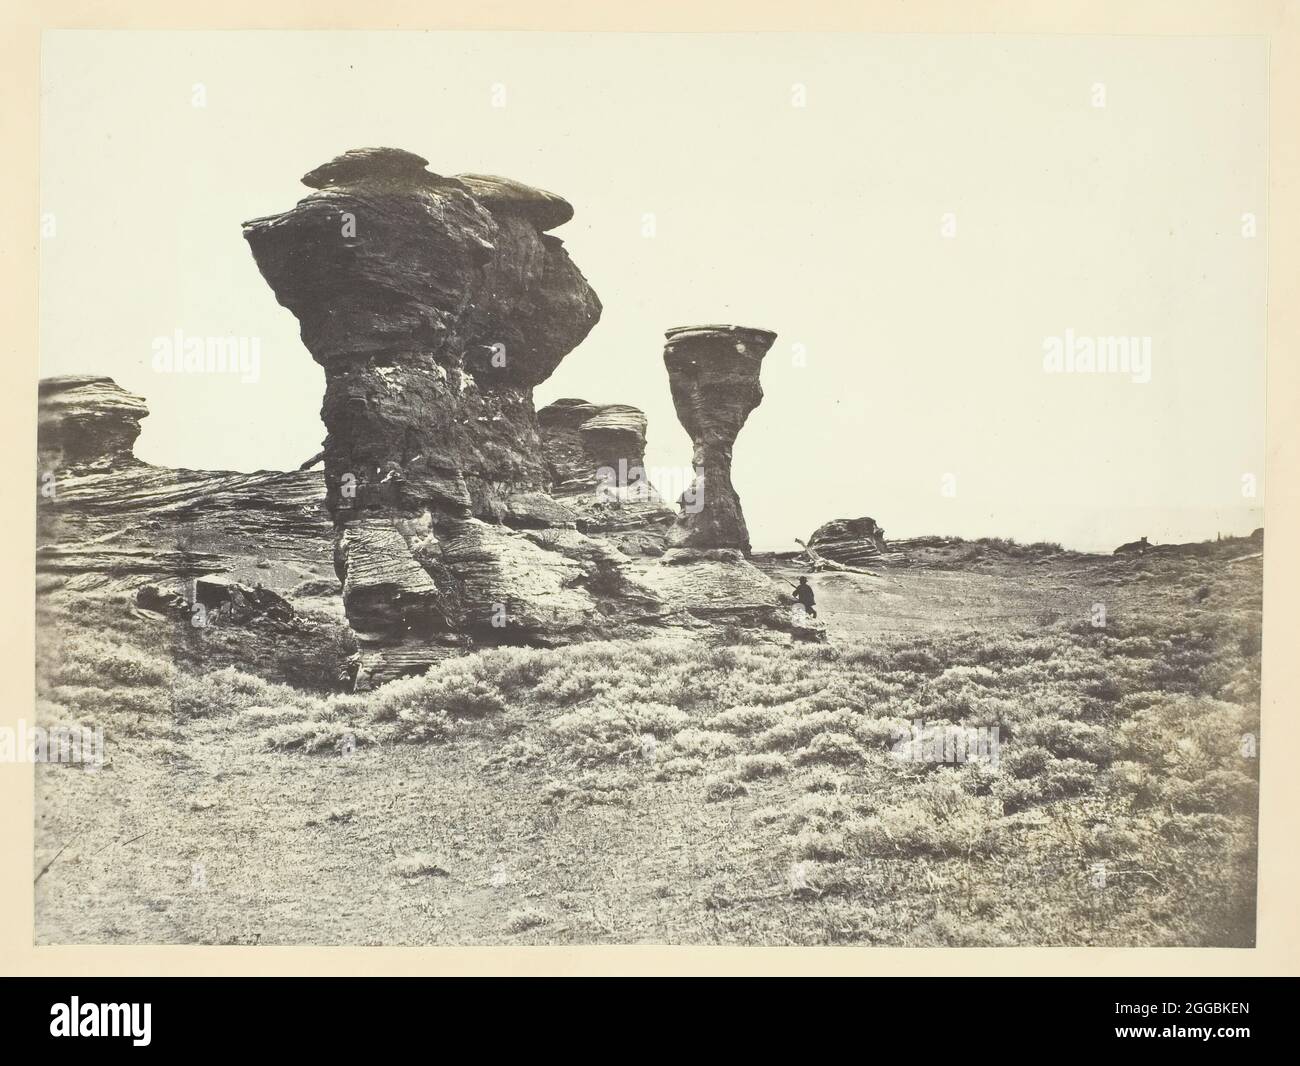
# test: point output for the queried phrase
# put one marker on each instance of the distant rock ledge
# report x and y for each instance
(86, 421)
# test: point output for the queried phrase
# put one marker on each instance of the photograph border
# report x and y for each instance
(1278, 930)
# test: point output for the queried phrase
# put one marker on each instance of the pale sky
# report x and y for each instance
(907, 379)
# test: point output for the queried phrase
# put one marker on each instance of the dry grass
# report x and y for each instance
(669, 791)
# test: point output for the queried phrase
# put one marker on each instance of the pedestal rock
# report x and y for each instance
(435, 305)
(713, 372)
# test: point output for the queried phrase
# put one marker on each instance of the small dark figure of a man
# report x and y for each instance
(804, 594)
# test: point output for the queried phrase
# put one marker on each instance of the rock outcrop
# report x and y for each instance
(1227, 549)
(161, 543)
(713, 372)
(435, 305)
(85, 421)
(1133, 547)
(596, 457)
(590, 444)
(806, 630)
(108, 521)
(450, 514)
(853, 542)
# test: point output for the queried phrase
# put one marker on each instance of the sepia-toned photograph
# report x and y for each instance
(510, 488)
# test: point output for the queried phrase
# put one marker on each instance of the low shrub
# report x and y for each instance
(752, 767)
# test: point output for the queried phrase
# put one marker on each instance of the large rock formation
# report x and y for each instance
(435, 305)
(583, 439)
(714, 375)
(849, 541)
(86, 421)
(596, 457)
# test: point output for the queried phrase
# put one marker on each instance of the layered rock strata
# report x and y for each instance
(86, 421)
(435, 305)
(117, 534)
(849, 541)
(454, 515)
(106, 520)
(596, 457)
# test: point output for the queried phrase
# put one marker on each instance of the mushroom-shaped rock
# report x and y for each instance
(434, 314)
(713, 372)
(435, 305)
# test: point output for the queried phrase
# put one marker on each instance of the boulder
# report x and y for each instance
(853, 542)
(231, 623)
(241, 603)
(152, 598)
(805, 629)
(726, 592)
